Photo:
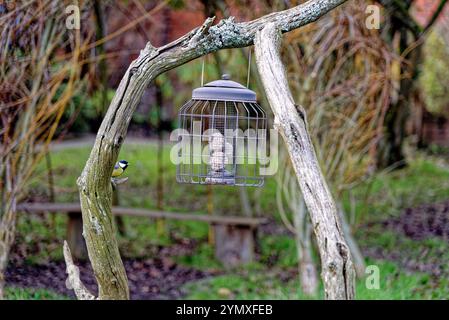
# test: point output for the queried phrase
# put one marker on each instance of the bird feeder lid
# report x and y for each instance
(224, 90)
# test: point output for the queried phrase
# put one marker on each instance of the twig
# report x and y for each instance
(116, 181)
(73, 279)
(435, 16)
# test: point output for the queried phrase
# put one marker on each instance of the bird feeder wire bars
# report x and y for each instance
(223, 135)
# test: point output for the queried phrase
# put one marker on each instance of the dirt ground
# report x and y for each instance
(419, 223)
(429, 220)
(162, 280)
(157, 278)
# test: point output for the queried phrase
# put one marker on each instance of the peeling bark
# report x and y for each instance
(290, 119)
(94, 182)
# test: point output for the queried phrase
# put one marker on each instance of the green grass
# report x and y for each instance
(252, 285)
(394, 284)
(281, 248)
(384, 196)
(424, 181)
(203, 258)
(140, 190)
(259, 284)
(13, 293)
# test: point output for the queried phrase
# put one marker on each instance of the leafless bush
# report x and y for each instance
(40, 68)
(344, 75)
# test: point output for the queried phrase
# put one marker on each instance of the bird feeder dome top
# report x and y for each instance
(224, 90)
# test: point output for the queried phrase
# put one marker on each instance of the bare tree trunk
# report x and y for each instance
(8, 209)
(288, 191)
(400, 19)
(290, 119)
(7, 231)
(95, 185)
(160, 223)
(307, 271)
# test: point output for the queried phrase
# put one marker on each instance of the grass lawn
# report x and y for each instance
(381, 198)
(13, 293)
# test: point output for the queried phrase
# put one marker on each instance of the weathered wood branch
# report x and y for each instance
(290, 120)
(73, 277)
(94, 182)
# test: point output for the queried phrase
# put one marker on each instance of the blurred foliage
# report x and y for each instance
(84, 112)
(383, 197)
(435, 74)
(342, 74)
(438, 150)
(176, 4)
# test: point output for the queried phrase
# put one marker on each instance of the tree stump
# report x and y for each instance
(234, 244)
(75, 237)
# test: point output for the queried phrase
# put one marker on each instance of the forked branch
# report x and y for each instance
(94, 182)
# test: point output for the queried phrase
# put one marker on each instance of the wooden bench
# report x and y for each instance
(234, 236)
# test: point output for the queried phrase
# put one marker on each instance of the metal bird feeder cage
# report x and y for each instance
(223, 136)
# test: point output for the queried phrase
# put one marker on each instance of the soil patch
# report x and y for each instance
(148, 279)
(425, 221)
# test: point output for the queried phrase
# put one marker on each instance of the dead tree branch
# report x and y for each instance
(73, 277)
(290, 120)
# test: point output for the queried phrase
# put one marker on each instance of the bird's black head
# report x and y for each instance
(123, 164)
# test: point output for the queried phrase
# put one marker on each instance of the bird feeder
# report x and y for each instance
(223, 136)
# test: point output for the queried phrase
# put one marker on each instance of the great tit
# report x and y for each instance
(119, 168)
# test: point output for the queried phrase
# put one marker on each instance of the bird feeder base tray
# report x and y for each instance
(219, 177)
